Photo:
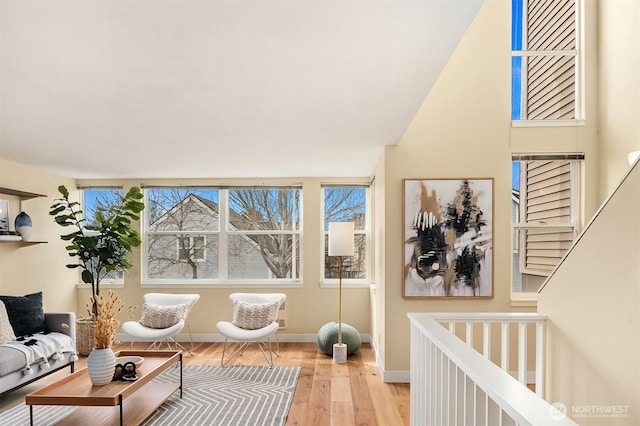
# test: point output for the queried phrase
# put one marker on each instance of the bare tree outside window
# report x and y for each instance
(268, 217)
(182, 225)
(257, 227)
(100, 199)
(346, 204)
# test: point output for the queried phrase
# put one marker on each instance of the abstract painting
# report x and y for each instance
(448, 238)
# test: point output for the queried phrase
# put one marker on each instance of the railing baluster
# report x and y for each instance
(540, 359)
(486, 339)
(469, 331)
(522, 352)
(504, 346)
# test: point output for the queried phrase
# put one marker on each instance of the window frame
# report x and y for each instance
(518, 229)
(366, 232)
(105, 282)
(192, 247)
(223, 234)
(519, 49)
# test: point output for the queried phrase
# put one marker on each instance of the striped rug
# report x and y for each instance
(234, 395)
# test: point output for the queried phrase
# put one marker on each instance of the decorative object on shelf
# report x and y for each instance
(4, 215)
(23, 225)
(104, 246)
(101, 358)
(137, 360)
(448, 237)
(328, 336)
(341, 244)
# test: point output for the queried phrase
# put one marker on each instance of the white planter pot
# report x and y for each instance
(101, 365)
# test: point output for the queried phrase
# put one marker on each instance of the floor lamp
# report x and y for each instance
(340, 245)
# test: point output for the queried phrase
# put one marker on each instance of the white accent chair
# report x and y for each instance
(139, 332)
(230, 331)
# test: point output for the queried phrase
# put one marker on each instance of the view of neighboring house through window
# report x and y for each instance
(545, 216)
(544, 46)
(347, 204)
(216, 235)
(101, 198)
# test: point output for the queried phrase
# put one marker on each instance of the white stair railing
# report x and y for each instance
(453, 384)
(524, 322)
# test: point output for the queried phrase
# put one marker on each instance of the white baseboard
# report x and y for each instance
(215, 337)
(390, 376)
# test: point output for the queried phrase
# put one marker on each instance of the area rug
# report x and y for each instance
(212, 395)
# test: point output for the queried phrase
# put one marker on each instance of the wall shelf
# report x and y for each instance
(23, 195)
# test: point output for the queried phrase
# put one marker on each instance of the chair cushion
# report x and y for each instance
(252, 316)
(162, 316)
(6, 331)
(26, 314)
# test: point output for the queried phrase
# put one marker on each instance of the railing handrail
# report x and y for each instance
(514, 398)
(488, 316)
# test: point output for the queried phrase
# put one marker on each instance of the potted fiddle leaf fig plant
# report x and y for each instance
(102, 246)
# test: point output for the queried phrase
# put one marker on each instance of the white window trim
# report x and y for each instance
(223, 232)
(347, 282)
(579, 73)
(105, 282)
(529, 298)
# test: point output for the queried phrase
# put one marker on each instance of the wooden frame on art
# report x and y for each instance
(447, 238)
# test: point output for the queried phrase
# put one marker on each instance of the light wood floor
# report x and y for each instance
(326, 394)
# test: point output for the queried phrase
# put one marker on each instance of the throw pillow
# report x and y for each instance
(6, 331)
(162, 316)
(26, 314)
(252, 316)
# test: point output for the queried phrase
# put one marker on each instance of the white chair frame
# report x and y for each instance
(137, 331)
(258, 336)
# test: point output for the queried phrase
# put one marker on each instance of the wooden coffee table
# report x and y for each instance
(117, 402)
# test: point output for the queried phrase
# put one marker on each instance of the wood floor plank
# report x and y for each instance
(342, 413)
(326, 393)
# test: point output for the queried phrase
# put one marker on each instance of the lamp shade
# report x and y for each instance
(341, 239)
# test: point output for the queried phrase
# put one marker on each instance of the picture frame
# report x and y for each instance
(4, 215)
(448, 238)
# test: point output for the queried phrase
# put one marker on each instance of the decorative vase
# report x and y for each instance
(101, 365)
(23, 226)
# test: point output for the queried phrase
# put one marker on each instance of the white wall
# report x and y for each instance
(26, 269)
(619, 87)
(593, 304)
(31, 268)
(463, 129)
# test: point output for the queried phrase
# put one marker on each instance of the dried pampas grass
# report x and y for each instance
(106, 322)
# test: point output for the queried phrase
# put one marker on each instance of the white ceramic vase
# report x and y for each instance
(101, 365)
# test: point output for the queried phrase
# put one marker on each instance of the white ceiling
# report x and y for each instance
(201, 88)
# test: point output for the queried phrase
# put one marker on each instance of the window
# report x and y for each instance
(545, 216)
(191, 249)
(544, 46)
(221, 235)
(101, 198)
(347, 204)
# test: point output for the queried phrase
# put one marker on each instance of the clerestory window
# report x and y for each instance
(545, 60)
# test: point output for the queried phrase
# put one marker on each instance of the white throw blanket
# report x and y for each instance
(46, 345)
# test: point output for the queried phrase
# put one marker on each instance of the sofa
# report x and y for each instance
(33, 344)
